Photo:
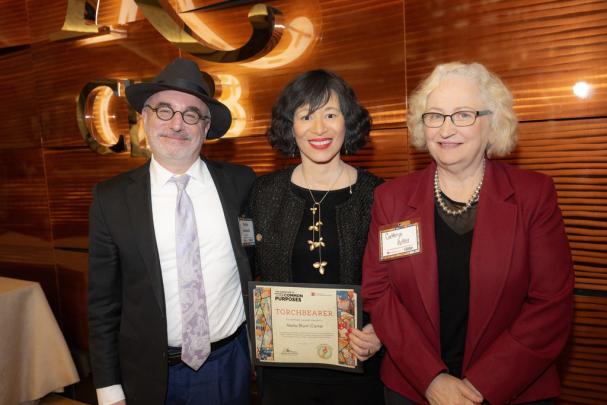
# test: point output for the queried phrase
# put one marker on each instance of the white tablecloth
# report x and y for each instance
(34, 358)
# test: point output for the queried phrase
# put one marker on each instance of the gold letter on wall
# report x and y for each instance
(267, 31)
(107, 123)
(75, 25)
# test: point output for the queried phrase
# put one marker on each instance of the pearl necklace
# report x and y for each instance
(474, 198)
(317, 224)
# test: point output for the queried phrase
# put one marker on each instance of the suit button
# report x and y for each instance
(258, 237)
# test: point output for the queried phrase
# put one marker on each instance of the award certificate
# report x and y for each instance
(304, 325)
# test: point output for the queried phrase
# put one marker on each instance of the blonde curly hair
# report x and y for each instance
(497, 96)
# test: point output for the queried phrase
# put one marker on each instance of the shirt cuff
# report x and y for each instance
(110, 395)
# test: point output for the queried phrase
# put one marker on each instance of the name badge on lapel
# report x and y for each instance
(399, 240)
(247, 233)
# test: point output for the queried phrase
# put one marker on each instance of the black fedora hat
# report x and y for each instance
(185, 76)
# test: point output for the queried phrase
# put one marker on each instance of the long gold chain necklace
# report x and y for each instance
(316, 226)
(474, 198)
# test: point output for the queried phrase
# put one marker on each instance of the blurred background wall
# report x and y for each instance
(65, 125)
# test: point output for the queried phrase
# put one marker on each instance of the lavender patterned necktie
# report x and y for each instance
(196, 343)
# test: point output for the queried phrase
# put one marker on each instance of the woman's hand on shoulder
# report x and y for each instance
(448, 390)
(364, 343)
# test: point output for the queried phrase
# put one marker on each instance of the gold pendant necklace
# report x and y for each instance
(316, 226)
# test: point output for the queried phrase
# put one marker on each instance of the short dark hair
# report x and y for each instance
(313, 88)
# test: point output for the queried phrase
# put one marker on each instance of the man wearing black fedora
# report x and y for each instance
(167, 271)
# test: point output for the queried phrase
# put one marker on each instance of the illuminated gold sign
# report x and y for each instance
(75, 25)
(190, 34)
(109, 125)
(265, 21)
(230, 94)
(106, 121)
(298, 36)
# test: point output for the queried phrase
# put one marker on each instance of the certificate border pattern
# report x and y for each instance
(262, 310)
(346, 320)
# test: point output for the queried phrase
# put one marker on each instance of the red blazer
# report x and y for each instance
(521, 283)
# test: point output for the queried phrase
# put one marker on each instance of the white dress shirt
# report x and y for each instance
(219, 269)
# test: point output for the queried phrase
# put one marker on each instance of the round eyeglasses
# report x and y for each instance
(166, 113)
(462, 118)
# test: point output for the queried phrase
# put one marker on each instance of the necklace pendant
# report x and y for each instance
(320, 266)
(317, 225)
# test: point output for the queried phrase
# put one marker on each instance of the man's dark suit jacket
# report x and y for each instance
(127, 317)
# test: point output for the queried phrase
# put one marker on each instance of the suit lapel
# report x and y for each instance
(139, 203)
(424, 265)
(492, 245)
(230, 209)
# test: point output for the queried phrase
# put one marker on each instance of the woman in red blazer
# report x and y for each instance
(467, 272)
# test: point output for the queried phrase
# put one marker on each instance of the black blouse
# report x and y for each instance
(303, 257)
(453, 235)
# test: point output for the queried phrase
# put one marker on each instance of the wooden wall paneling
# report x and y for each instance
(44, 274)
(13, 32)
(25, 231)
(72, 286)
(352, 41)
(45, 17)
(539, 48)
(584, 370)
(20, 123)
(419, 159)
(385, 154)
(253, 151)
(63, 68)
(572, 152)
(364, 42)
(71, 174)
(229, 28)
